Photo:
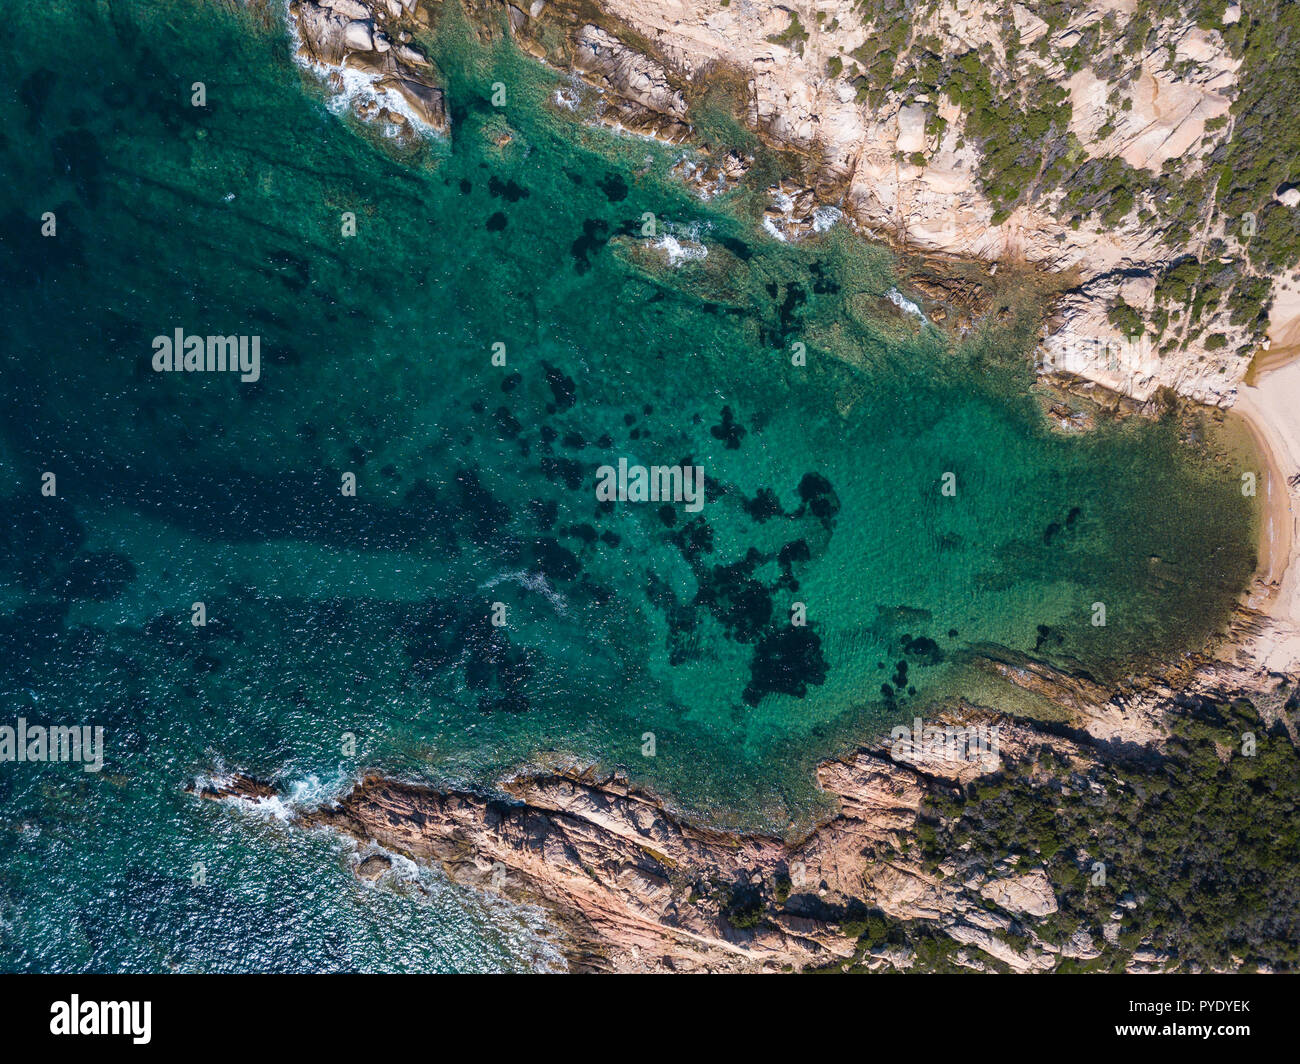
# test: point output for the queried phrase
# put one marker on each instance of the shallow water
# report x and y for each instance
(331, 616)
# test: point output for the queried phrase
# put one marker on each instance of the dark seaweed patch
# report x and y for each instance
(507, 422)
(543, 512)
(99, 575)
(31, 633)
(293, 270)
(763, 506)
(822, 284)
(742, 605)
(787, 315)
(562, 386)
(694, 538)
(557, 562)
(595, 233)
(786, 661)
(508, 190)
(614, 187)
(1047, 636)
(479, 506)
(729, 430)
(819, 498)
(43, 538)
(34, 94)
(794, 551)
(738, 248)
(440, 637)
(496, 668)
(926, 651)
(569, 470)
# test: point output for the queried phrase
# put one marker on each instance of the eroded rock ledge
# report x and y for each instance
(636, 888)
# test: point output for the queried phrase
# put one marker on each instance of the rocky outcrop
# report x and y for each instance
(642, 97)
(1029, 894)
(635, 886)
(363, 51)
(237, 785)
(371, 867)
(898, 160)
(904, 166)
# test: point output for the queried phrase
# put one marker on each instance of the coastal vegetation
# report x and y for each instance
(1186, 859)
(1019, 116)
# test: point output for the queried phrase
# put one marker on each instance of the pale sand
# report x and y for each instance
(1284, 318)
(1271, 409)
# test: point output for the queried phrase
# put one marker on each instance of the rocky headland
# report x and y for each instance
(904, 873)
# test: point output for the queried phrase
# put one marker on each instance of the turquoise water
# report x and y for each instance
(331, 616)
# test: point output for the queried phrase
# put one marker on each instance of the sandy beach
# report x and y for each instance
(1270, 408)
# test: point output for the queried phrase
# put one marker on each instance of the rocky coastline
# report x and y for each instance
(896, 165)
(632, 884)
(893, 161)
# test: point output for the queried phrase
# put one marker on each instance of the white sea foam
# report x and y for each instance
(904, 304)
(531, 582)
(825, 217)
(314, 791)
(296, 797)
(354, 88)
(683, 243)
(687, 168)
(271, 808)
(679, 253)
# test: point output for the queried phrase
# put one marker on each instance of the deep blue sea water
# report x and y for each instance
(332, 616)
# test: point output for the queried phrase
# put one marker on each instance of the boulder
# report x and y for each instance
(359, 35)
(630, 74)
(911, 128)
(323, 33)
(427, 101)
(373, 867)
(1030, 894)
